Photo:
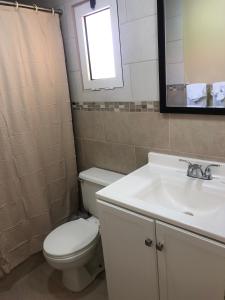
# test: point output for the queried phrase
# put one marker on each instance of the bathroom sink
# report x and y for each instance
(162, 190)
(188, 196)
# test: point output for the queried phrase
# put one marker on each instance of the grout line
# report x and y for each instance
(141, 61)
(106, 142)
(124, 144)
(103, 124)
(172, 41)
(125, 5)
(138, 19)
(170, 132)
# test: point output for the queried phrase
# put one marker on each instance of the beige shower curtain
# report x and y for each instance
(37, 156)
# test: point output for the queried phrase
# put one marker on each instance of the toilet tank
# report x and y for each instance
(93, 180)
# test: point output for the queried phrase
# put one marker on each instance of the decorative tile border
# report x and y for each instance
(144, 106)
(181, 87)
(176, 87)
(177, 95)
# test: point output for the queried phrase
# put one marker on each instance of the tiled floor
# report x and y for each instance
(37, 281)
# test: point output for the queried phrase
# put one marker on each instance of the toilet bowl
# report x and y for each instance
(75, 247)
(71, 248)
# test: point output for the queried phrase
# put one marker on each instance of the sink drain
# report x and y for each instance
(188, 213)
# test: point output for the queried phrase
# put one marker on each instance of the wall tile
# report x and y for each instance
(89, 124)
(122, 11)
(144, 81)
(175, 73)
(141, 155)
(140, 44)
(69, 15)
(139, 40)
(63, 20)
(174, 52)
(115, 157)
(174, 29)
(124, 93)
(202, 135)
(48, 3)
(173, 8)
(76, 86)
(117, 127)
(72, 55)
(176, 96)
(81, 162)
(121, 141)
(150, 129)
(78, 94)
(96, 96)
(140, 8)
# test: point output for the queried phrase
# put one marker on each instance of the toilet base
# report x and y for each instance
(77, 279)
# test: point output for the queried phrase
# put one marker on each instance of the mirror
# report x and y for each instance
(192, 56)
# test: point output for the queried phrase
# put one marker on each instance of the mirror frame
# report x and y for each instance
(162, 74)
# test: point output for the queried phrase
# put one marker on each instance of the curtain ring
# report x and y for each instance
(36, 7)
(53, 11)
(17, 4)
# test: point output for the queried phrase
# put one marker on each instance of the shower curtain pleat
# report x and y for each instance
(37, 155)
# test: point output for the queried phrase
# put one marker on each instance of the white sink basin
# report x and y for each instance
(188, 196)
(162, 190)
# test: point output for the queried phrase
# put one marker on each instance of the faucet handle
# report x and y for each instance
(207, 172)
(186, 161)
(213, 165)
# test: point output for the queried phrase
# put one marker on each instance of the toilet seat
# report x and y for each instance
(72, 238)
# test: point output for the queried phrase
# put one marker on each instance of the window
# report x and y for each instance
(99, 44)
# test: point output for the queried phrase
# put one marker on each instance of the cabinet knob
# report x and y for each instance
(148, 242)
(159, 246)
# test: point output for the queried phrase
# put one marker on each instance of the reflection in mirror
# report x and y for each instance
(195, 53)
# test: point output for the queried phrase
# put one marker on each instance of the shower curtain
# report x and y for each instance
(37, 155)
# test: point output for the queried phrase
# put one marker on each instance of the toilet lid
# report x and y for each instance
(71, 237)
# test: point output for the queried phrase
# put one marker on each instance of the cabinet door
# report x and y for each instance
(131, 267)
(191, 267)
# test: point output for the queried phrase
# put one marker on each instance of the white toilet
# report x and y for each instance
(75, 247)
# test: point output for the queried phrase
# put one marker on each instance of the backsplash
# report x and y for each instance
(120, 141)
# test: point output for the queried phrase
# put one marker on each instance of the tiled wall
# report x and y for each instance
(118, 139)
(174, 42)
(138, 33)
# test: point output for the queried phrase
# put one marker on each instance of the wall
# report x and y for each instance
(195, 50)
(120, 141)
(115, 130)
(174, 42)
(138, 32)
(204, 25)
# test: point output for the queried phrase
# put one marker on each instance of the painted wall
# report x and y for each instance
(204, 43)
(194, 43)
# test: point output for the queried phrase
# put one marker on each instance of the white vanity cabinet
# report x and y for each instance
(129, 253)
(190, 266)
(149, 260)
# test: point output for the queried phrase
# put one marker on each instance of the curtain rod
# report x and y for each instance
(34, 7)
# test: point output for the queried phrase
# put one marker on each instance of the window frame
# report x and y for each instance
(82, 10)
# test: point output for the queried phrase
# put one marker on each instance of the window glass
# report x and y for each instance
(100, 45)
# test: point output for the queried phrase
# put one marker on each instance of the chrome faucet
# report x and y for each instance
(195, 170)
